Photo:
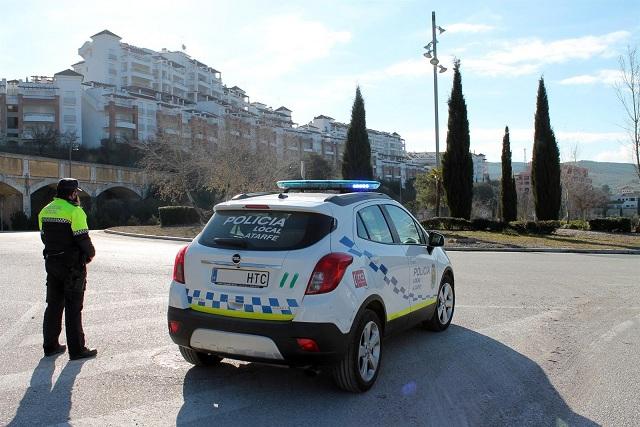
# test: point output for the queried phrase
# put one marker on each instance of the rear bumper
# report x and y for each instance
(331, 341)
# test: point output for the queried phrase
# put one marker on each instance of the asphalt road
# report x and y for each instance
(537, 339)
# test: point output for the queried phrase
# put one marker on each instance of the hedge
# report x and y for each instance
(178, 215)
(613, 225)
(447, 223)
(535, 227)
(576, 224)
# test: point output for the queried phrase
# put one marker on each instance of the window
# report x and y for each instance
(69, 118)
(265, 230)
(374, 225)
(405, 225)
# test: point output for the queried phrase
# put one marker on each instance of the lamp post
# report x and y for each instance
(432, 55)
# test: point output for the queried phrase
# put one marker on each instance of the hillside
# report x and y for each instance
(615, 175)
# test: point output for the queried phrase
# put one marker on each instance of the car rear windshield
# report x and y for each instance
(265, 230)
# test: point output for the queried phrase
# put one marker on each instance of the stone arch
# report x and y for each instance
(120, 189)
(11, 199)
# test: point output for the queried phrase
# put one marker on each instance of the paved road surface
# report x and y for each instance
(537, 339)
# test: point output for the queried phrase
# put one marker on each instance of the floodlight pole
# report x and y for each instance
(434, 61)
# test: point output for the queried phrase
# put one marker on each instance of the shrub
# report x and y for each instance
(447, 223)
(19, 221)
(178, 215)
(483, 224)
(534, 227)
(611, 224)
(153, 220)
(576, 224)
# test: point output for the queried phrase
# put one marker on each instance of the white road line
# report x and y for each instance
(160, 321)
(15, 329)
(90, 368)
(511, 307)
(117, 305)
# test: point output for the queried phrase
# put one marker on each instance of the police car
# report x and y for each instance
(310, 278)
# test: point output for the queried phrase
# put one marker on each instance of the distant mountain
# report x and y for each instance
(615, 175)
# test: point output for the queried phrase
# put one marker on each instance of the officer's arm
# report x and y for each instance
(81, 233)
(40, 227)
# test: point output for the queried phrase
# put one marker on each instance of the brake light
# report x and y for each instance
(257, 207)
(328, 273)
(178, 266)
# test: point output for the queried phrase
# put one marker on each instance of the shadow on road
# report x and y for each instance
(458, 377)
(43, 404)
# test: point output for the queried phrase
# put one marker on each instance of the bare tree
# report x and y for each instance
(628, 92)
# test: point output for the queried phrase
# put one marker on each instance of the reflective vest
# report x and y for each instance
(64, 229)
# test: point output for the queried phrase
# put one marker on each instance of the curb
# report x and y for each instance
(452, 249)
(549, 250)
(147, 236)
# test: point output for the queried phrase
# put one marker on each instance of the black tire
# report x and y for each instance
(346, 373)
(199, 359)
(435, 323)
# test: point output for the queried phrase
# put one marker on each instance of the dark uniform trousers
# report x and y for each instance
(66, 283)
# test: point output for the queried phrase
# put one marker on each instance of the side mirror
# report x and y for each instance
(435, 239)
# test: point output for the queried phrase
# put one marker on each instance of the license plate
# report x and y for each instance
(248, 278)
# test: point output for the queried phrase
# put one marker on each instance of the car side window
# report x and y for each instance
(404, 224)
(374, 225)
(362, 231)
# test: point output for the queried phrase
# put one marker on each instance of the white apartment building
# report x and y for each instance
(42, 104)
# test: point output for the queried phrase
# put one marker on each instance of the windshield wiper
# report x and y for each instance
(233, 242)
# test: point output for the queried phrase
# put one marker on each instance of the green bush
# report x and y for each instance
(447, 223)
(534, 227)
(576, 224)
(178, 215)
(612, 225)
(19, 221)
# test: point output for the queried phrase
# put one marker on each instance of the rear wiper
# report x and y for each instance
(230, 241)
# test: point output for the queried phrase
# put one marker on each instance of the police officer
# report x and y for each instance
(67, 250)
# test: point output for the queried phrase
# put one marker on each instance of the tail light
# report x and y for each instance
(328, 273)
(178, 266)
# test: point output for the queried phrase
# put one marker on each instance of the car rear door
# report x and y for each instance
(421, 265)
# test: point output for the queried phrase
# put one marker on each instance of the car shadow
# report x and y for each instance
(458, 377)
(44, 402)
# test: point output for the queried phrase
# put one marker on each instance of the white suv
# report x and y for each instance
(308, 279)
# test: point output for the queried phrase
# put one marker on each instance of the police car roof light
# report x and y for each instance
(329, 184)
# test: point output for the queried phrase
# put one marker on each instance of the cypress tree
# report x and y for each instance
(457, 164)
(545, 163)
(509, 198)
(356, 160)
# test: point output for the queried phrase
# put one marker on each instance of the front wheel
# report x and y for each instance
(445, 304)
(199, 359)
(359, 368)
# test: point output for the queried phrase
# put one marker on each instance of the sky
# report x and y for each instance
(310, 55)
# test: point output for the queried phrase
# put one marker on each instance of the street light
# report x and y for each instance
(432, 55)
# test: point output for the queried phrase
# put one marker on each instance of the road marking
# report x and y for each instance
(512, 307)
(15, 329)
(91, 307)
(90, 368)
(118, 326)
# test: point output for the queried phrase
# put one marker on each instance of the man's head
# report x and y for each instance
(68, 189)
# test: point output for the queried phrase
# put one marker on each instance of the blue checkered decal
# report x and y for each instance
(382, 269)
(248, 304)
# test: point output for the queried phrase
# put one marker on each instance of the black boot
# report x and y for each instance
(84, 354)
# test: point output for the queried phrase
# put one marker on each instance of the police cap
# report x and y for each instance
(67, 185)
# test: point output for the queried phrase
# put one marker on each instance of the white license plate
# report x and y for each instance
(249, 278)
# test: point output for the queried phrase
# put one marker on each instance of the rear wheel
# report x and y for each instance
(359, 368)
(198, 358)
(445, 304)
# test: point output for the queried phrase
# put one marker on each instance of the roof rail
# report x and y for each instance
(351, 198)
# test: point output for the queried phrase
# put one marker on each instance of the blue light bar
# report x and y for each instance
(328, 184)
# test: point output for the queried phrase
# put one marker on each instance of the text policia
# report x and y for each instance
(265, 227)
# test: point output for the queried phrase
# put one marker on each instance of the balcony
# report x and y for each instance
(125, 124)
(39, 117)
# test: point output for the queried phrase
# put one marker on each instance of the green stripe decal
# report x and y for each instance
(293, 281)
(415, 307)
(284, 279)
